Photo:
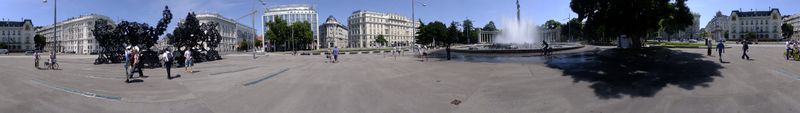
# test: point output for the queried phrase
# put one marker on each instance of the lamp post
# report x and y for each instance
(413, 19)
(236, 24)
(55, 39)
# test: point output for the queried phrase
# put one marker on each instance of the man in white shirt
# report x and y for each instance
(167, 62)
(188, 61)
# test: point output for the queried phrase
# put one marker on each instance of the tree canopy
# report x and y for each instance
(633, 18)
(470, 34)
(381, 40)
(39, 42)
(788, 30)
(489, 26)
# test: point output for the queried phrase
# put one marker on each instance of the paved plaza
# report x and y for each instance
(686, 81)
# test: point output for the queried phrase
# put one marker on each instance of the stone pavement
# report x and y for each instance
(371, 83)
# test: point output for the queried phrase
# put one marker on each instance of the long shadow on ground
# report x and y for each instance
(615, 73)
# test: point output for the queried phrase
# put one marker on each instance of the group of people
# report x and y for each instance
(721, 49)
(334, 56)
(792, 50)
(133, 62)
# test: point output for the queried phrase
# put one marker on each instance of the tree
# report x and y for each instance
(452, 35)
(750, 36)
(39, 42)
(110, 46)
(187, 35)
(278, 33)
(3, 45)
(381, 40)
(423, 36)
(573, 28)
(303, 37)
(470, 32)
(788, 30)
(726, 35)
(552, 24)
(632, 18)
(243, 45)
(489, 27)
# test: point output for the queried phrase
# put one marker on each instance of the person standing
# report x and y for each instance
(188, 61)
(168, 62)
(36, 59)
(720, 49)
(745, 47)
(788, 49)
(335, 54)
(708, 44)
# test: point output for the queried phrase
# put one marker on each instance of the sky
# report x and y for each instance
(479, 11)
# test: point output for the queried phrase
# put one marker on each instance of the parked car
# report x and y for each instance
(3, 51)
(28, 52)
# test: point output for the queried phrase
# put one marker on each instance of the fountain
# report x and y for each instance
(517, 36)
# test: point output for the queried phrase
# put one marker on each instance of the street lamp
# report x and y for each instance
(55, 40)
(236, 24)
(414, 21)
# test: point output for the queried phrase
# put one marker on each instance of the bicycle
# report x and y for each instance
(51, 64)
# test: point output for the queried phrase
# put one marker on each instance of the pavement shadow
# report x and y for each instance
(616, 73)
(135, 81)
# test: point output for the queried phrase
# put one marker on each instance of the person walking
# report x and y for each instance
(36, 60)
(188, 61)
(137, 62)
(127, 63)
(720, 49)
(168, 62)
(745, 47)
(335, 54)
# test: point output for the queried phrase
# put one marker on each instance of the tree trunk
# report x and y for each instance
(636, 42)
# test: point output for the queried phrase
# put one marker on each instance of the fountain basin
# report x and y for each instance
(513, 48)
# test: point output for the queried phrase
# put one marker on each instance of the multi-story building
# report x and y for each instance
(232, 32)
(366, 26)
(794, 20)
(692, 31)
(718, 26)
(74, 35)
(17, 35)
(766, 25)
(291, 14)
(333, 34)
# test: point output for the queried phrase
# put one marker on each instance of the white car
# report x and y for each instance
(3, 51)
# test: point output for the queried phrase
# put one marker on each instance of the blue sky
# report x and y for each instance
(480, 11)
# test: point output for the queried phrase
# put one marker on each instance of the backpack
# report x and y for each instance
(170, 58)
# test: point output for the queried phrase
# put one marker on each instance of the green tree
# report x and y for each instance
(552, 24)
(39, 42)
(452, 34)
(3, 45)
(788, 30)
(470, 35)
(243, 45)
(750, 36)
(423, 35)
(573, 28)
(303, 36)
(381, 40)
(278, 33)
(633, 18)
(726, 35)
(489, 26)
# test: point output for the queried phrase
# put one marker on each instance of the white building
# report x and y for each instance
(487, 37)
(232, 32)
(333, 34)
(291, 14)
(794, 20)
(17, 35)
(718, 26)
(366, 26)
(74, 34)
(766, 25)
(549, 35)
